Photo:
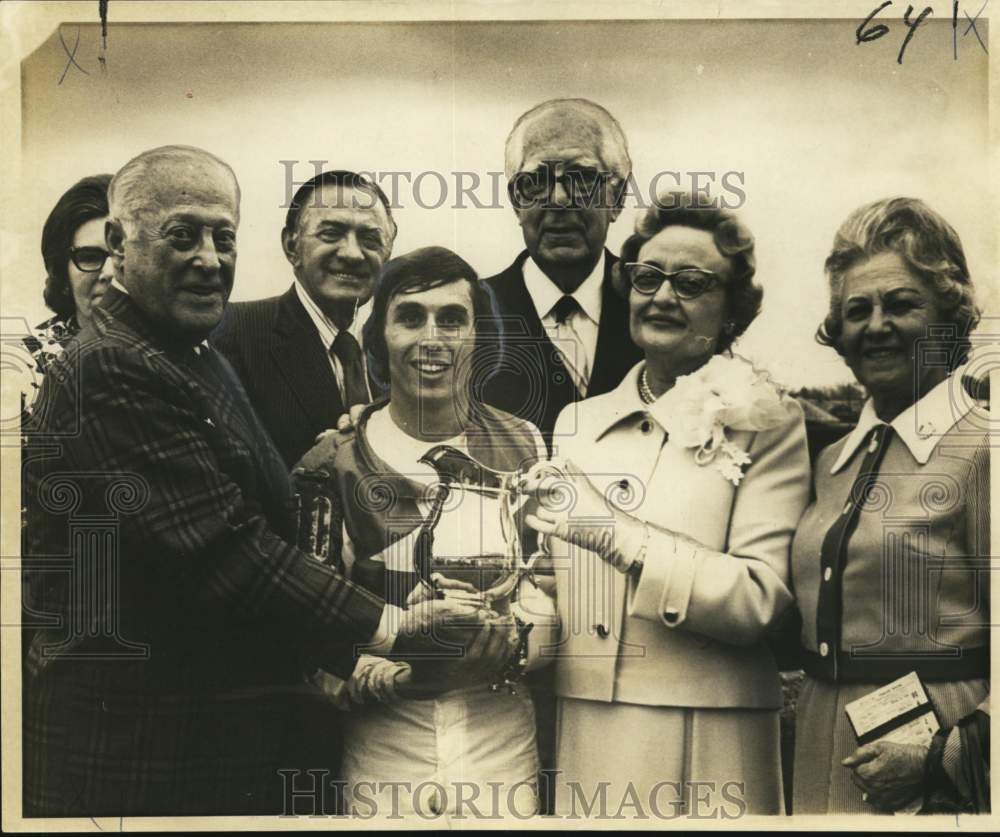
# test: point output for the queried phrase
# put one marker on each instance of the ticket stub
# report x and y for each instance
(899, 711)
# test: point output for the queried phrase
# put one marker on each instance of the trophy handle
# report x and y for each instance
(453, 465)
(423, 546)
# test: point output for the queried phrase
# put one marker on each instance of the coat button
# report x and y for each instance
(671, 615)
(602, 631)
(827, 574)
(646, 426)
(824, 649)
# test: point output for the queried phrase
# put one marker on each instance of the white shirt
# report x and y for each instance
(576, 339)
(920, 426)
(328, 332)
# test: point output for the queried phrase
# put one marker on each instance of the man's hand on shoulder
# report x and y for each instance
(321, 454)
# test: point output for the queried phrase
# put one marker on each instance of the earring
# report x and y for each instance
(729, 327)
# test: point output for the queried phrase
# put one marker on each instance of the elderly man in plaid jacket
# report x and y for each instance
(182, 621)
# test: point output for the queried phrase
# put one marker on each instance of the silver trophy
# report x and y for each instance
(497, 577)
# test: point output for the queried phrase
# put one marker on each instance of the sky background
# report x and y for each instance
(816, 124)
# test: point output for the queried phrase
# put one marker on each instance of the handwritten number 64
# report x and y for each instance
(865, 34)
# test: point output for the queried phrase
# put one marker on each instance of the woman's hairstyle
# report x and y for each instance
(925, 242)
(421, 270)
(733, 240)
(84, 201)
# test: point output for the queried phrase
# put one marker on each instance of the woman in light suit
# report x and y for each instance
(669, 529)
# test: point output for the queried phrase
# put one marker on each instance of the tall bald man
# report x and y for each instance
(566, 333)
(180, 689)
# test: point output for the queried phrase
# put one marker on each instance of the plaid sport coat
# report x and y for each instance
(178, 621)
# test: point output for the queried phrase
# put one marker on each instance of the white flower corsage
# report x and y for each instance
(725, 393)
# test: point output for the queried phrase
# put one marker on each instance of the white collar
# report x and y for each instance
(624, 401)
(324, 325)
(545, 293)
(921, 425)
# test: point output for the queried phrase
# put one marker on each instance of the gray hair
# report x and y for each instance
(125, 191)
(613, 145)
(927, 244)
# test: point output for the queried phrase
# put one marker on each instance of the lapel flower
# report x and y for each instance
(726, 393)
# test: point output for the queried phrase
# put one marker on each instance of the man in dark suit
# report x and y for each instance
(299, 355)
(171, 678)
(566, 333)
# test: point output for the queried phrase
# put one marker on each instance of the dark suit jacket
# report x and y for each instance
(533, 383)
(178, 684)
(274, 347)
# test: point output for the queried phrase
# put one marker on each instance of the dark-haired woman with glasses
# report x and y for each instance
(77, 267)
(77, 272)
(688, 480)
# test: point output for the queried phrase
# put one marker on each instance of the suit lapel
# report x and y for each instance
(298, 354)
(615, 353)
(520, 317)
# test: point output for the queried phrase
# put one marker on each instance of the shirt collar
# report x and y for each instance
(545, 293)
(324, 325)
(623, 402)
(921, 425)
(327, 330)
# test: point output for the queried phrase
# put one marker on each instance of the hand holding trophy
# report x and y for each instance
(451, 641)
(489, 582)
(565, 504)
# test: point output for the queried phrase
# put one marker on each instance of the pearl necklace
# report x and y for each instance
(645, 393)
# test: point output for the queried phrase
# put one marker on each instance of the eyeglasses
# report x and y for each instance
(687, 283)
(583, 186)
(88, 259)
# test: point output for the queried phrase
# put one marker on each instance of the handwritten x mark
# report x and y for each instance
(972, 26)
(72, 55)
